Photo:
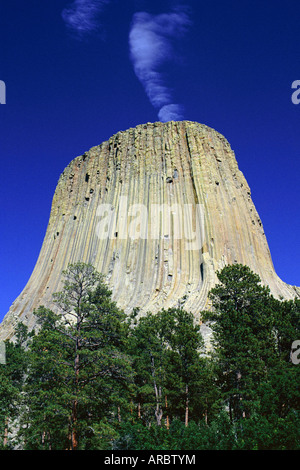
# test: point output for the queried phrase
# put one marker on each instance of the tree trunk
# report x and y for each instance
(157, 391)
(5, 433)
(240, 410)
(206, 412)
(186, 405)
(74, 437)
(158, 411)
(74, 433)
(167, 419)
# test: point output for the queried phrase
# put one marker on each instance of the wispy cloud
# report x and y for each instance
(151, 42)
(83, 16)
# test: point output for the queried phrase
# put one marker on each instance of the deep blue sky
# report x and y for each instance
(233, 71)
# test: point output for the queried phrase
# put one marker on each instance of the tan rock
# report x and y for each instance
(149, 261)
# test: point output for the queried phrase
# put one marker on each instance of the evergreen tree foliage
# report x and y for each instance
(89, 377)
(253, 335)
(76, 359)
(172, 377)
(12, 377)
(242, 321)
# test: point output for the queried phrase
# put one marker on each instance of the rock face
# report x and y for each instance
(157, 209)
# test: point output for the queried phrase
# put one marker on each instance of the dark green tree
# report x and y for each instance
(12, 376)
(166, 348)
(280, 394)
(242, 319)
(184, 344)
(147, 348)
(77, 364)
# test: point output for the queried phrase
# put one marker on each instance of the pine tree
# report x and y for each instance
(12, 376)
(76, 358)
(166, 349)
(242, 320)
(280, 395)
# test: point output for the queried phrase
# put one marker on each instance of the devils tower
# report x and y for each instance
(157, 209)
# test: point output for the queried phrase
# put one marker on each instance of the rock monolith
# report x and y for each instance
(157, 209)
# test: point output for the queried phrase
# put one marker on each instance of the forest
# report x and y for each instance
(89, 377)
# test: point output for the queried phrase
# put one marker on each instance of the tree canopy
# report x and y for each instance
(90, 377)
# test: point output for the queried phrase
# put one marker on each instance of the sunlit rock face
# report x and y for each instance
(157, 209)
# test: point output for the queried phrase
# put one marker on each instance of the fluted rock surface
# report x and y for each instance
(148, 258)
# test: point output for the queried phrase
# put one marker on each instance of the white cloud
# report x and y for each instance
(171, 112)
(82, 16)
(151, 45)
